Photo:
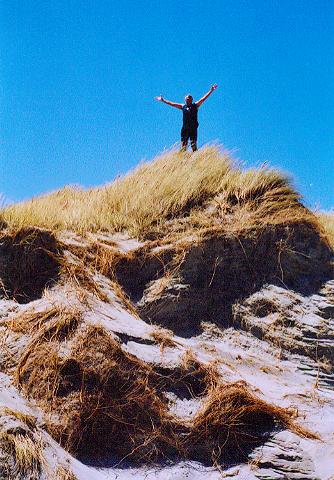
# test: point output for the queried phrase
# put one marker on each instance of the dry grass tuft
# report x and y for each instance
(192, 379)
(164, 338)
(60, 326)
(26, 454)
(234, 420)
(54, 324)
(78, 272)
(124, 298)
(63, 473)
(22, 447)
(30, 321)
(82, 264)
(98, 392)
(327, 222)
(207, 372)
(26, 419)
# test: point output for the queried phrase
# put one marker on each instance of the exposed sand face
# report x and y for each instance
(278, 341)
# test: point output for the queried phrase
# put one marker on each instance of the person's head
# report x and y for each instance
(188, 99)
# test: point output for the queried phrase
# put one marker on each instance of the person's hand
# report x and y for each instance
(214, 87)
(159, 98)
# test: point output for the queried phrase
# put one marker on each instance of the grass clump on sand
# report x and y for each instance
(63, 473)
(21, 447)
(233, 421)
(172, 185)
(104, 398)
(26, 455)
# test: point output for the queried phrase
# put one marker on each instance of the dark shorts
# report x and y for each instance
(188, 133)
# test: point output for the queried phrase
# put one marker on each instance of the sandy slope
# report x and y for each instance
(279, 341)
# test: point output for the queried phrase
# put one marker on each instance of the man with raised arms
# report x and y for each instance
(190, 122)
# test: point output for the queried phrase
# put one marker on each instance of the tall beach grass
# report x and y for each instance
(171, 185)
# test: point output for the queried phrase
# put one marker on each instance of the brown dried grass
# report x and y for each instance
(164, 338)
(28, 420)
(29, 321)
(98, 392)
(63, 473)
(229, 419)
(26, 454)
(327, 222)
(81, 276)
(124, 298)
(191, 379)
(232, 419)
(43, 345)
(207, 372)
(24, 448)
(100, 400)
(85, 262)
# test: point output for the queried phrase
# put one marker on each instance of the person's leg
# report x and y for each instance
(193, 140)
(184, 139)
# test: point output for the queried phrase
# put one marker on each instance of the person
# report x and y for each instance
(190, 122)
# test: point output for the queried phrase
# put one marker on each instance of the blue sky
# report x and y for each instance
(78, 78)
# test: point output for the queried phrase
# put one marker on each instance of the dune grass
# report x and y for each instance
(327, 221)
(23, 445)
(232, 419)
(171, 185)
(26, 454)
(63, 473)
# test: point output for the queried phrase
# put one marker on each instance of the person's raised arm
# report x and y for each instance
(172, 104)
(201, 100)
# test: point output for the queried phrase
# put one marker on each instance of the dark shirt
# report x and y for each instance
(190, 116)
